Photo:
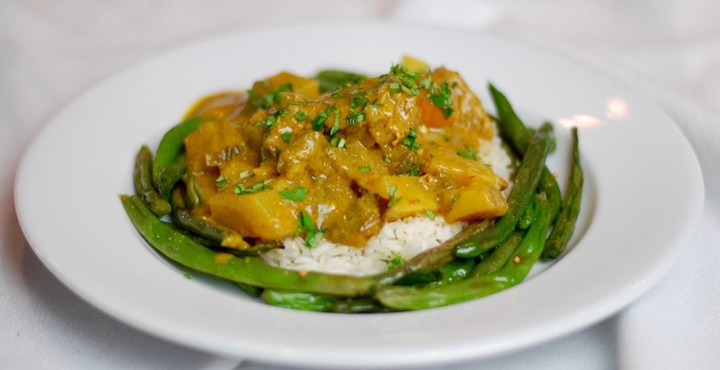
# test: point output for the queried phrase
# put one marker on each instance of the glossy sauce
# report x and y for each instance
(284, 160)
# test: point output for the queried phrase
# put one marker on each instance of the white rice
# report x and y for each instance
(406, 238)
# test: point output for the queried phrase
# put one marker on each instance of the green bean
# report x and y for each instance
(250, 290)
(331, 79)
(565, 223)
(171, 145)
(298, 300)
(358, 305)
(194, 195)
(520, 196)
(144, 185)
(514, 272)
(456, 270)
(517, 133)
(209, 230)
(501, 254)
(420, 278)
(171, 175)
(526, 217)
(252, 270)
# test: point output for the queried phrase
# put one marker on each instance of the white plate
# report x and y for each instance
(643, 200)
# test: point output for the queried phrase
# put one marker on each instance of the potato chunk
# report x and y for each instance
(406, 195)
(480, 200)
(259, 215)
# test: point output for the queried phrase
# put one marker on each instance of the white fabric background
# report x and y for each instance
(50, 52)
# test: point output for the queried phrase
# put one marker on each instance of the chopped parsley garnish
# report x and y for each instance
(254, 188)
(441, 97)
(468, 153)
(364, 169)
(334, 130)
(319, 121)
(415, 171)
(297, 194)
(221, 181)
(359, 101)
(395, 260)
(402, 80)
(354, 118)
(426, 83)
(275, 97)
(410, 91)
(409, 141)
(391, 193)
(267, 122)
(286, 136)
(282, 113)
(337, 142)
(429, 214)
(301, 116)
(306, 228)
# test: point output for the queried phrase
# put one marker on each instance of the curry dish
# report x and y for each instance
(285, 157)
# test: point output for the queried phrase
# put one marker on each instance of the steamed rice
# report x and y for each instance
(406, 238)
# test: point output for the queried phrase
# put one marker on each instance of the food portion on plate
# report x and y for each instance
(348, 193)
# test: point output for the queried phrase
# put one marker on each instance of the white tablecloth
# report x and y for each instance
(51, 51)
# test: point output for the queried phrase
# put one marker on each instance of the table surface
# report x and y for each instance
(50, 52)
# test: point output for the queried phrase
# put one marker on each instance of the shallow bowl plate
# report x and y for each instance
(636, 162)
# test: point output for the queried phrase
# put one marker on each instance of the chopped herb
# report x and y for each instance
(430, 214)
(319, 121)
(337, 142)
(267, 122)
(286, 136)
(275, 97)
(336, 112)
(297, 194)
(410, 91)
(395, 260)
(415, 171)
(301, 116)
(187, 275)
(306, 227)
(392, 191)
(409, 141)
(359, 101)
(468, 153)
(394, 87)
(426, 83)
(354, 118)
(442, 98)
(364, 169)
(221, 181)
(256, 187)
(334, 130)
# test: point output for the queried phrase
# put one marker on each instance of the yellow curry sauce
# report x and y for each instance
(284, 160)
